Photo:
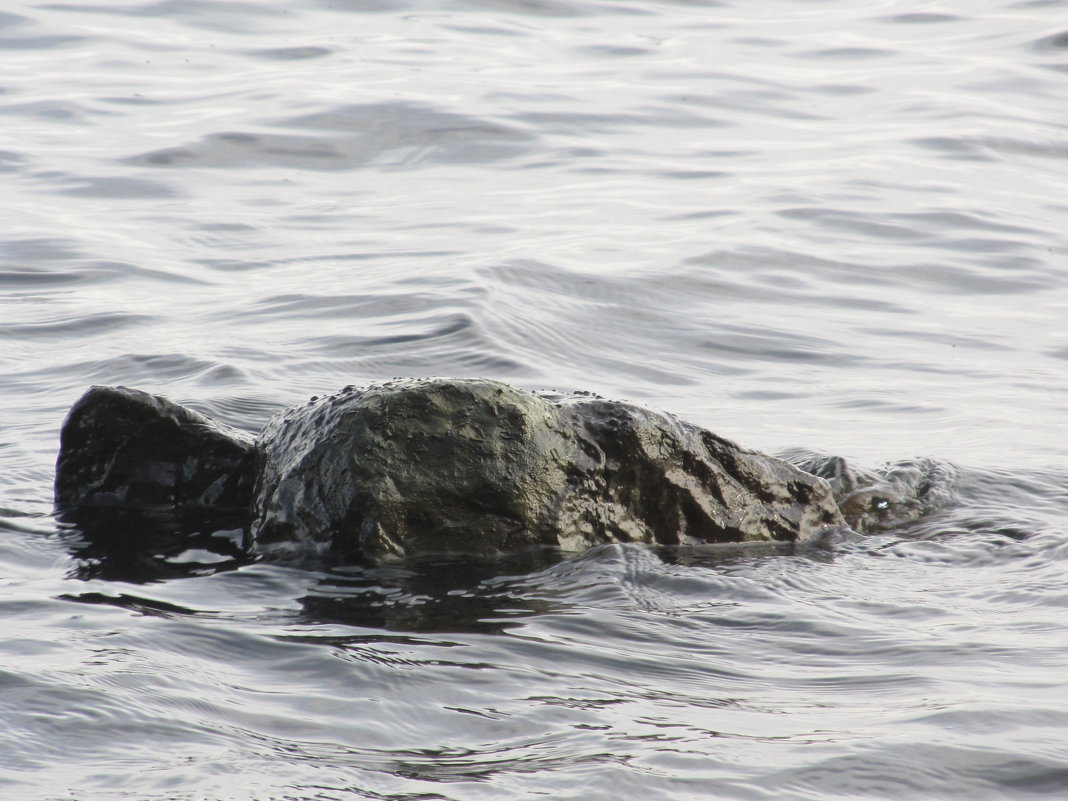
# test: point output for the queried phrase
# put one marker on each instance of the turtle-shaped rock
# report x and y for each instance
(418, 466)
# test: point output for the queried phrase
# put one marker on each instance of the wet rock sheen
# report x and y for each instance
(443, 465)
(121, 447)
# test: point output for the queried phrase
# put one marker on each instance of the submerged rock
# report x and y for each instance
(443, 465)
(888, 498)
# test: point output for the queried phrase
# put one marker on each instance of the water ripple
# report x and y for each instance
(837, 226)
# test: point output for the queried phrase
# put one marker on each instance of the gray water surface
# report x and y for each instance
(836, 227)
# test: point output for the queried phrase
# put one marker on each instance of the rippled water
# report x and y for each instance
(836, 227)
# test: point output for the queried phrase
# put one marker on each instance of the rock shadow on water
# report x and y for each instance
(149, 546)
(442, 593)
(427, 594)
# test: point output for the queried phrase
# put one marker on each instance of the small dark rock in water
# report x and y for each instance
(122, 447)
(443, 465)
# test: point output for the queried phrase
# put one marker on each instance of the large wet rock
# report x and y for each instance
(423, 465)
(440, 465)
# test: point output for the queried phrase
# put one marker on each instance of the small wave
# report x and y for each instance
(390, 134)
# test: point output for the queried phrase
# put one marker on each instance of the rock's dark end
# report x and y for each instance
(125, 448)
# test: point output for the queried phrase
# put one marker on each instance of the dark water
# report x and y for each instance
(830, 226)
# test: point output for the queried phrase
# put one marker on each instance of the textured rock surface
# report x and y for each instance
(439, 465)
(473, 465)
(408, 467)
(126, 448)
(877, 500)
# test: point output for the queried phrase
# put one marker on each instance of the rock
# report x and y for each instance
(125, 448)
(424, 466)
(888, 498)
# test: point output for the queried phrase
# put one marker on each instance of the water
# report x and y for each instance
(835, 227)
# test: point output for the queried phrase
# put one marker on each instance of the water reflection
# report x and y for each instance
(142, 547)
(439, 594)
(442, 593)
